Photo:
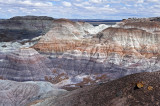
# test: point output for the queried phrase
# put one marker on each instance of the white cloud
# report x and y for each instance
(81, 8)
(140, 1)
(67, 4)
(153, 1)
(96, 1)
(40, 4)
(101, 10)
(83, 4)
(27, 2)
(78, 5)
(86, 3)
(157, 6)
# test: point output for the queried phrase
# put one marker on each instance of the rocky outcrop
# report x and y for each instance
(67, 35)
(131, 41)
(62, 38)
(149, 24)
(67, 30)
(137, 90)
(115, 52)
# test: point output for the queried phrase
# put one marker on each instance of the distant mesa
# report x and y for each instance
(31, 18)
(24, 27)
(144, 19)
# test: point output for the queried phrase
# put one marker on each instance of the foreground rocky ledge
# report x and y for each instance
(123, 91)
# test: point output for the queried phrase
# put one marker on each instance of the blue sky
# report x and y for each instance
(81, 9)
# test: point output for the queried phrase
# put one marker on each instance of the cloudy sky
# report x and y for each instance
(81, 9)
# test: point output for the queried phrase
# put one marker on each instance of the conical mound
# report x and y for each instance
(24, 65)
